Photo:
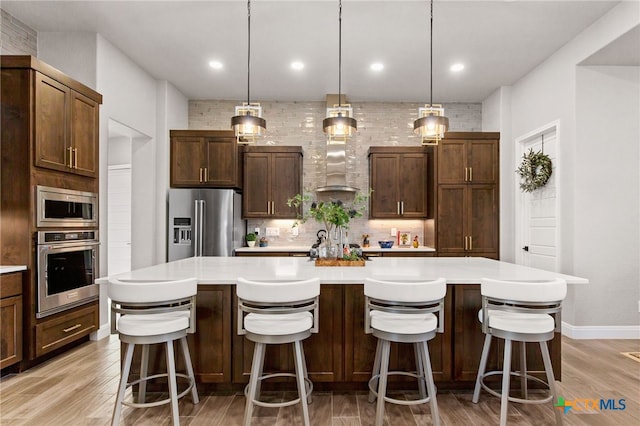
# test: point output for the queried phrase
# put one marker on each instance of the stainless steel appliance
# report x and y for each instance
(204, 222)
(67, 267)
(58, 207)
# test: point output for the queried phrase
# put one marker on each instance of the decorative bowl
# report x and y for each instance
(385, 244)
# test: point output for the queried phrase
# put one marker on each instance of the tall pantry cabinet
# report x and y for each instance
(468, 188)
(50, 136)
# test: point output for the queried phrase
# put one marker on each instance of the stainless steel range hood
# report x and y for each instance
(336, 163)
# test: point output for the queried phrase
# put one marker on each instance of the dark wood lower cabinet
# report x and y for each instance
(341, 355)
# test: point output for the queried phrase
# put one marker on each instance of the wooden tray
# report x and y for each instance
(339, 262)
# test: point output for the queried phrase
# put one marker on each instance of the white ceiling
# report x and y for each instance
(498, 41)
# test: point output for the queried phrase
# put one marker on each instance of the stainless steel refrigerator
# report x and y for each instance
(204, 222)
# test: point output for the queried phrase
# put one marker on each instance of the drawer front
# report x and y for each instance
(11, 284)
(57, 332)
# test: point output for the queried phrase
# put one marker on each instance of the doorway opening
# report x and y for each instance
(120, 184)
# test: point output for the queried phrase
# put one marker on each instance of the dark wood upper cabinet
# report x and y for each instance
(468, 195)
(399, 178)
(464, 159)
(66, 128)
(272, 175)
(205, 158)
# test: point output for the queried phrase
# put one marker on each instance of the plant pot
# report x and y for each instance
(251, 243)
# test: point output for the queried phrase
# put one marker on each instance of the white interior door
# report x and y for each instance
(119, 214)
(537, 215)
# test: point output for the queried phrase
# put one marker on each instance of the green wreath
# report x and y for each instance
(534, 171)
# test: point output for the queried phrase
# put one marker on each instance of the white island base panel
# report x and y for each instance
(456, 270)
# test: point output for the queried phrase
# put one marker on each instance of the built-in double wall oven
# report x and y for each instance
(67, 247)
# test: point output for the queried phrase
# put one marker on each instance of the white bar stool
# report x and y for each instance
(521, 312)
(277, 313)
(404, 312)
(152, 312)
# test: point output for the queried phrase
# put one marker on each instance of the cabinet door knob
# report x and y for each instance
(525, 248)
(470, 174)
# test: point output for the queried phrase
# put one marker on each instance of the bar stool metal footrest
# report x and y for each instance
(373, 390)
(161, 402)
(308, 386)
(544, 400)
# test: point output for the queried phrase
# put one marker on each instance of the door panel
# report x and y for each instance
(451, 218)
(286, 184)
(186, 161)
(384, 180)
(413, 185)
(483, 161)
(452, 161)
(483, 218)
(84, 134)
(51, 117)
(222, 162)
(539, 214)
(257, 184)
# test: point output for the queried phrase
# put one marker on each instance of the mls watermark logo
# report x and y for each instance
(590, 406)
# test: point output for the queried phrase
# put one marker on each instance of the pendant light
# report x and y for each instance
(339, 124)
(248, 124)
(431, 124)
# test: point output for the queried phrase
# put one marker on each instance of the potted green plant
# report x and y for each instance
(333, 214)
(251, 239)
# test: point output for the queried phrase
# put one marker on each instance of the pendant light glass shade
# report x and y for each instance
(431, 124)
(339, 124)
(248, 124)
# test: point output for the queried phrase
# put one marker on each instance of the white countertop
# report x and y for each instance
(456, 270)
(300, 249)
(12, 268)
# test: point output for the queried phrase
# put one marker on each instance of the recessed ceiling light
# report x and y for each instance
(457, 67)
(297, 65)
(376, 66)
(216, 65)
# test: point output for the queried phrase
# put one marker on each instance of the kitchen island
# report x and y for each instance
(340, 356)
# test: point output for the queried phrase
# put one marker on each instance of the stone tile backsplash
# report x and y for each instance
(300, 123)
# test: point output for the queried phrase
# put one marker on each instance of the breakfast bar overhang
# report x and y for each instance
(341, 355)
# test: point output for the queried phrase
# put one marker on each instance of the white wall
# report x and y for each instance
(173, 113)
(129, 97)
(72, 53)
(496, 117)
(549, 93)
(607, 184)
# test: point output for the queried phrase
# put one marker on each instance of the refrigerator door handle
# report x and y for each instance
(199, 231)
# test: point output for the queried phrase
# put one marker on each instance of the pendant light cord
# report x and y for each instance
(431, 58)
(339, 56)
(248, 51)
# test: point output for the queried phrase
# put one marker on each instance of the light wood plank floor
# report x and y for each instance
(78, 388)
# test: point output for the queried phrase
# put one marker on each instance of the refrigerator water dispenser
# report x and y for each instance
(182, 230)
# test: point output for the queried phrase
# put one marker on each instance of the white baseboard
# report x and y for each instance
(601, 331)
(103, 331)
